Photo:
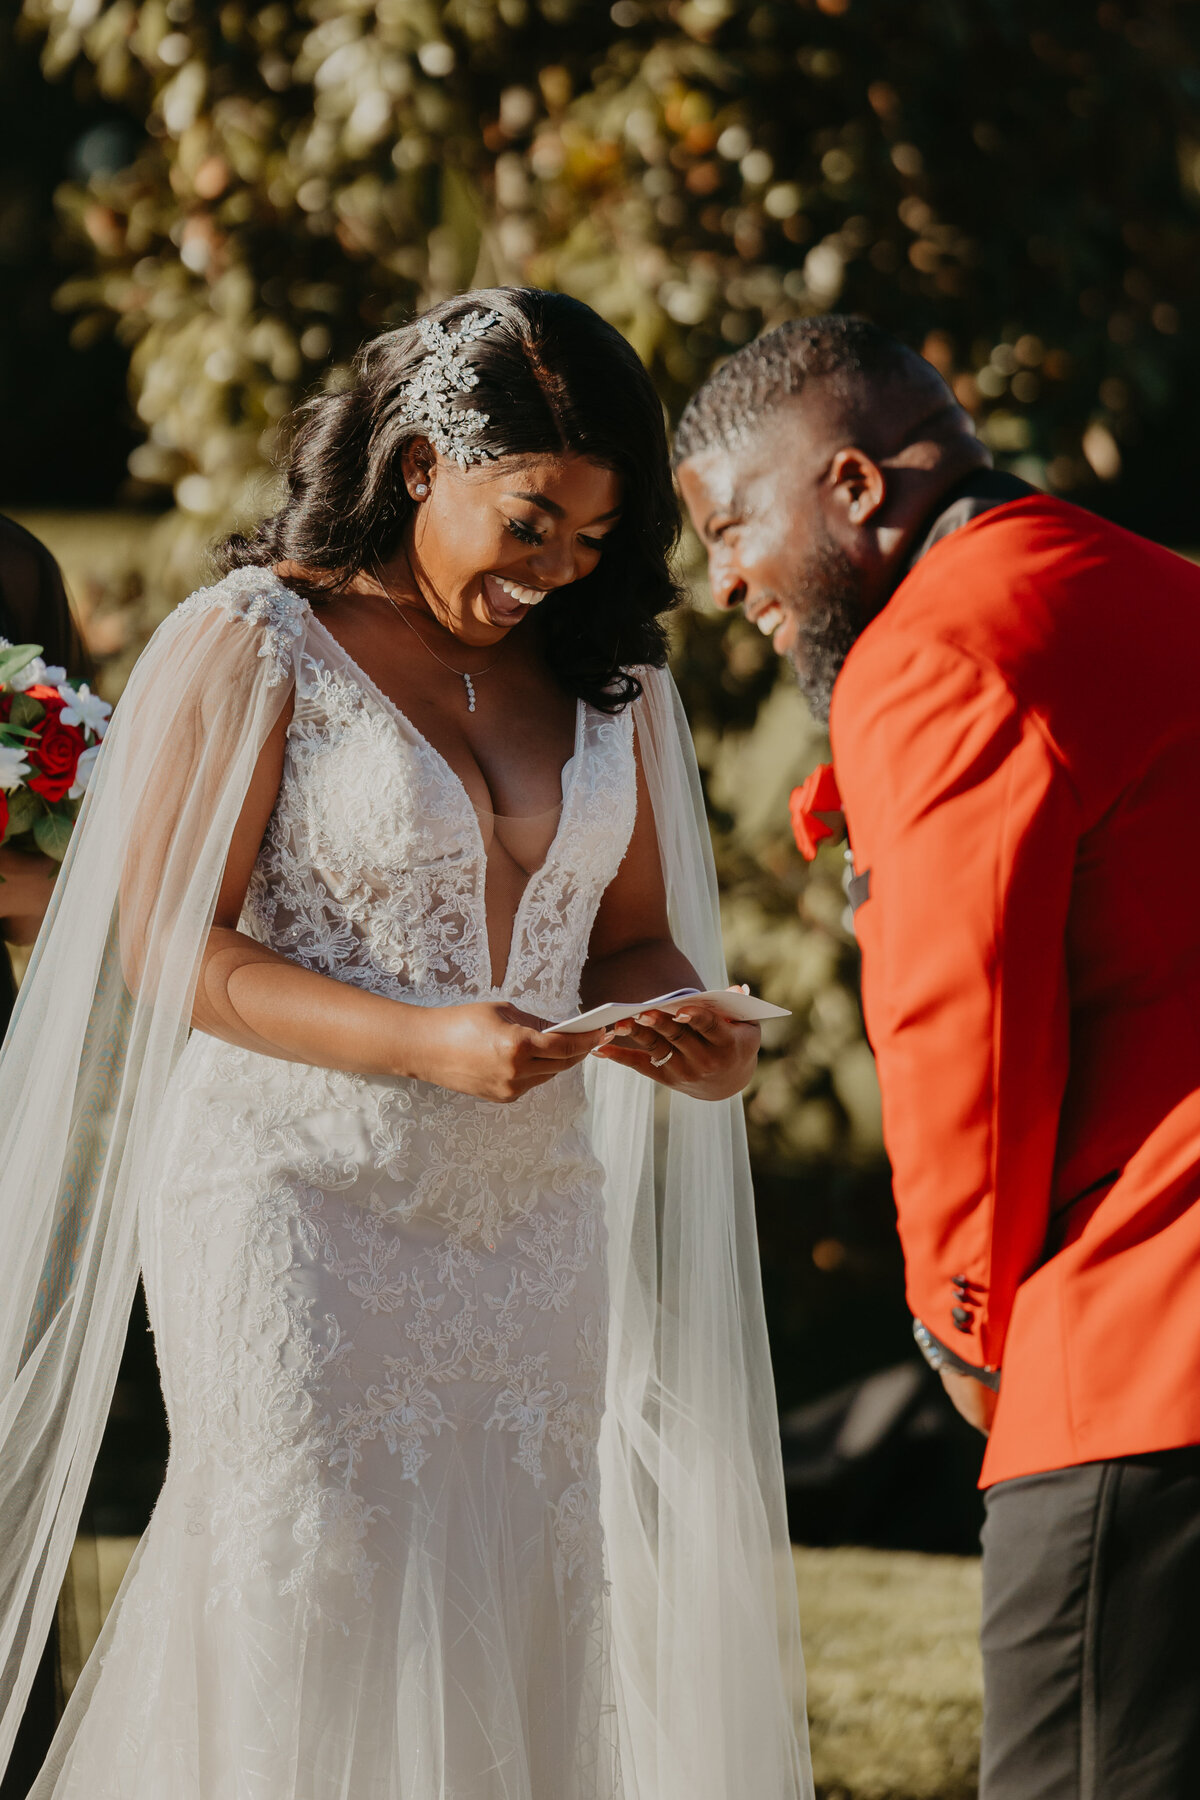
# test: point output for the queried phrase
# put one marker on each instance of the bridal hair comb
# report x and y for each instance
(447, 371)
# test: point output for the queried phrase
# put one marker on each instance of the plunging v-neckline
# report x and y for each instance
(403, 723)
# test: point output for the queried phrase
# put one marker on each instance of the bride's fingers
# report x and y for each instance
(715, 1038)
(696, 1041)
(669, 1074)
(563, 1046)
(712, 1025)
(537, 1070)
(654, 1034)
(646, 1031)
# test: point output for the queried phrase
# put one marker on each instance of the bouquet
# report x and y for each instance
(50, 735)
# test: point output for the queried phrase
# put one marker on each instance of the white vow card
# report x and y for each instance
(731, 1003)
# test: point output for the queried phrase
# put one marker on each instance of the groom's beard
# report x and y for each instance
(827, 600)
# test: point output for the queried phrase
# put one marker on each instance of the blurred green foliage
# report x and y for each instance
(1016, 185)
(1013, 185)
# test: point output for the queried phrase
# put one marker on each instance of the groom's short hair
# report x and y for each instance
(763, 374)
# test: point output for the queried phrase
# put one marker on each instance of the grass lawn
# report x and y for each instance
(890, 1642)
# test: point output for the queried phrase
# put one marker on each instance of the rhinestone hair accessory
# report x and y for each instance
(445, 372)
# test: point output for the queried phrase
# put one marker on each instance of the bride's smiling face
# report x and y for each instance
(489, 542)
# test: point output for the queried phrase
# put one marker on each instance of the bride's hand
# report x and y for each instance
(494, 1051)
(695, 1050)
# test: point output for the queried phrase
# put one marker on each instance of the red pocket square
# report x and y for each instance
(819, 794)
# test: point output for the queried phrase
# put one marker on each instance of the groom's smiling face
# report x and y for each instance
(757, 511)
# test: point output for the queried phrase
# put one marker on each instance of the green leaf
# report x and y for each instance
(52, 834)
(24, 811)
(26, 711)
(13, 660)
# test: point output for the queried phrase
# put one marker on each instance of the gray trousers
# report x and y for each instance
(1091, 1632)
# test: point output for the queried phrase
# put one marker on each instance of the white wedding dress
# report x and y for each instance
(381, 1315)
(474, 1489)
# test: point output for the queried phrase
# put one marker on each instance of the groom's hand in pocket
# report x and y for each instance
(971, 1398)
(696, 1050)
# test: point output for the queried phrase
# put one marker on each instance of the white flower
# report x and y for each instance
(83, 772)
(13, 767)
(35, 672)
(84, 708)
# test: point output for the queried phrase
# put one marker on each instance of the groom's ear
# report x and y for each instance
(855, 488)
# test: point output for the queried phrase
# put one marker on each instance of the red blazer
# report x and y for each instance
(1017, 744)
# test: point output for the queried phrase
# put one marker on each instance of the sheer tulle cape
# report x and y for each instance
(707, 1664)
(101, 1018)
(706, 1656)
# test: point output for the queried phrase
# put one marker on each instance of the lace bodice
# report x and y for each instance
(373, 867)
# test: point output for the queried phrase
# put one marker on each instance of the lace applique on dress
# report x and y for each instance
(257, 596)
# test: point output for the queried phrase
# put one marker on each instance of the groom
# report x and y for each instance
(1013, 690)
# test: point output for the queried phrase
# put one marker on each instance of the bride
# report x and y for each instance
(474, 1489)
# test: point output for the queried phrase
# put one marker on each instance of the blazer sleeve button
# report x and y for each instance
(963, 1320)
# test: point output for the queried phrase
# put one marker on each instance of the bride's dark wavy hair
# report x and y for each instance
(553, 378)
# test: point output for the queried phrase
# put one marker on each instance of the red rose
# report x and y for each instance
(818, 795)
(55, 752)
(3, 814)
(49, 697)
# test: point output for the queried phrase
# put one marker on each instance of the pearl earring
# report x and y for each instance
(421, 490)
